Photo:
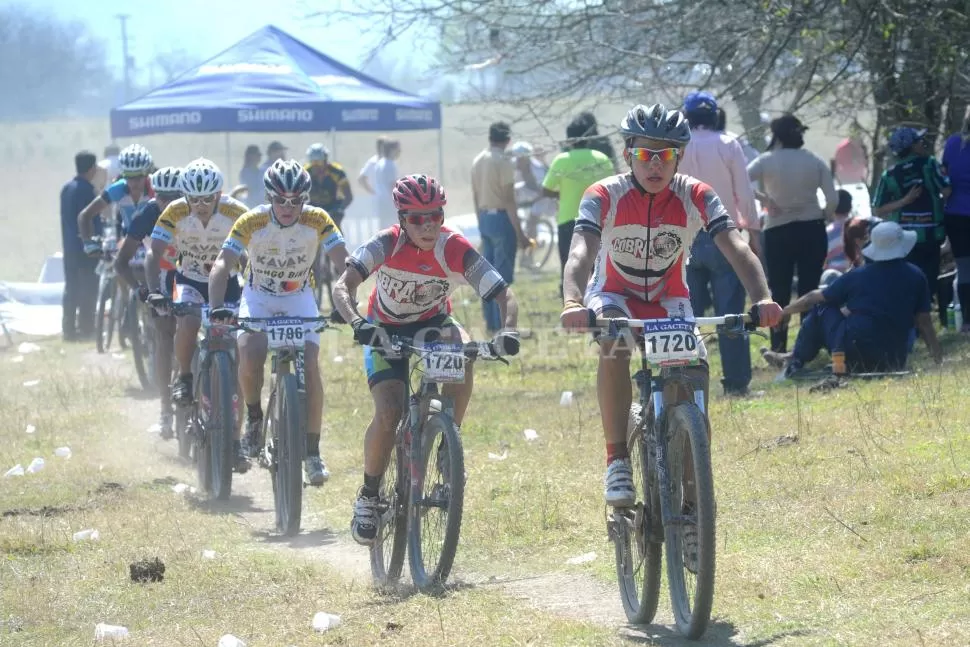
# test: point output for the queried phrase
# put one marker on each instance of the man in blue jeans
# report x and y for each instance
(493, 191)
(717, 159)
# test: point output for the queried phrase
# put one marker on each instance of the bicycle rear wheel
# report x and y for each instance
(545, 243)
(184, 416)
(436, 502)
(387, 552)
(119, 311)
(220, 426)
(690, 576)
(289, 447)
(201, 443)
(141, 333)
(637, 557)
(103, 321)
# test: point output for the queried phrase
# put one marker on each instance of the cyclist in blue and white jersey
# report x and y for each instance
(128, 193)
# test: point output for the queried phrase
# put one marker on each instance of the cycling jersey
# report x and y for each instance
(198, 245)
(117, 193)
(414, 284)
(646, 238)
(280, 257)
(141, 228)
(328, 188)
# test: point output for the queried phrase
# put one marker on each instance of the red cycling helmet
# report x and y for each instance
(418, 192)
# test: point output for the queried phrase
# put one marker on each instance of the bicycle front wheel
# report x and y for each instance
(637, 557)
(141, 333)
(387, 552)
(220, 426)
(289, 446)
(436, 502)
(690, 541)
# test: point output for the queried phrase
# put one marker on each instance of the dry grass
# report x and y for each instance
(854, 534)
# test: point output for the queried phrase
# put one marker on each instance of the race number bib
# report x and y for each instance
(670, 342)
(445, 364)
(284, 332)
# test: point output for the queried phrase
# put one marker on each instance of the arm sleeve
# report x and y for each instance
(837, 293)
(593, 208)
(708, 206)
(369, 257)
(464, 259)
(144, 221)
(241, 233)
(165, 226)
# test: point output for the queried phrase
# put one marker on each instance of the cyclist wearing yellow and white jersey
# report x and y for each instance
(128, 193)
(195, 226)
(282, 239)
(166, 182)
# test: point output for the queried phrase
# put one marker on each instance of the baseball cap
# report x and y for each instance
(787, 123)
(904, 137)
(698, 101)
(274, 147)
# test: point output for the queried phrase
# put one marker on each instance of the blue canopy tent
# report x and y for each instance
(272, 82)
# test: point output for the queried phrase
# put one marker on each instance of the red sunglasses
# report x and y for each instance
(418, 219)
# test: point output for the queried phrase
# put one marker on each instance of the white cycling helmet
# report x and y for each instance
(521, 149)
(167, 180)
(135, 160)
(201, 177)
(317, 153)
(286, 177)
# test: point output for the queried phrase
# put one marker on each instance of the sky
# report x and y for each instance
(203, 28)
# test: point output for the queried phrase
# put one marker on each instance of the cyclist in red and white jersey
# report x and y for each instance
(630, 248)
(417, 264)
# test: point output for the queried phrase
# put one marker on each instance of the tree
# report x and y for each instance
(51, 67)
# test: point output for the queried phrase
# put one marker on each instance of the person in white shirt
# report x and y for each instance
(109, 168)
(366, 177)
(385, 175)
(716, 158)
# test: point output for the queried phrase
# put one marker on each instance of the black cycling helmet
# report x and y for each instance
(656, 122)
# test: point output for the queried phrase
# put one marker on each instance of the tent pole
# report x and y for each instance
(333, 142)
(441, 157)
(228, 159)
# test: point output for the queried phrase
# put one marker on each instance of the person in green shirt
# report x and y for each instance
(569, 175)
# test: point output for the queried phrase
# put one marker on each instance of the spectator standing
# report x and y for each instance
(80, 281)
(109, 168)
(367, 176)
(569, 175)
(493, 192)
(912, 192)
(851, 161)
(717, 159)
(275, 151)
(385, 176)
(530, 171)
(956, 219)
(585, 122)
(794, 226)
(251, 177)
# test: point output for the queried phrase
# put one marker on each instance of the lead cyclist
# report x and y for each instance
(633, 234)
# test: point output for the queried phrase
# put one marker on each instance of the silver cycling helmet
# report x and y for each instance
(134, 160)
(201, 177)
(286, 177)
(167, 180)
(317, 153)
(656, 122)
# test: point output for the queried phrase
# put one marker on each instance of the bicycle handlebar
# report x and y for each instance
(736, 323)
(255, 324)
(398, 346)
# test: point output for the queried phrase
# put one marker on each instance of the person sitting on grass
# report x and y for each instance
(867, 313)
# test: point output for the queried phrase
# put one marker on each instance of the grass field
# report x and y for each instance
(851, 531)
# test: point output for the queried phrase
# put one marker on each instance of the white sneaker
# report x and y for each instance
(620, 492)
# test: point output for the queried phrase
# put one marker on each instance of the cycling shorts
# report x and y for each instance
(258, 304)
(381, 369)
(196, 292)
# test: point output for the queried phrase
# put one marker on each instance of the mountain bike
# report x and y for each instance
(670, 456)
(408, 498)
(213, 415)
(284, 426)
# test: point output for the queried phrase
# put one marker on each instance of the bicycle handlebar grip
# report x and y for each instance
(755, 315)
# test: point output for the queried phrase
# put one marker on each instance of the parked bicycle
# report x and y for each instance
(543, 231)
(284, 426)
(669, 449)
(413, 506)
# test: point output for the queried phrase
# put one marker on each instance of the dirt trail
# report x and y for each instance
(572, 595)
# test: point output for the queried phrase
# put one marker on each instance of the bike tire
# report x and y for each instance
(431, 578)
(188, 448)
(635, 553)
(142, 339)
(387, 552)
(202, 447)
(102, 323)
(684, 424)
(289, 446)
(546, 238)
(119, 314)
(220, 427)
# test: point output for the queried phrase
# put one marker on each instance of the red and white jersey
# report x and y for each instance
(646, 238)
(413, 284)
